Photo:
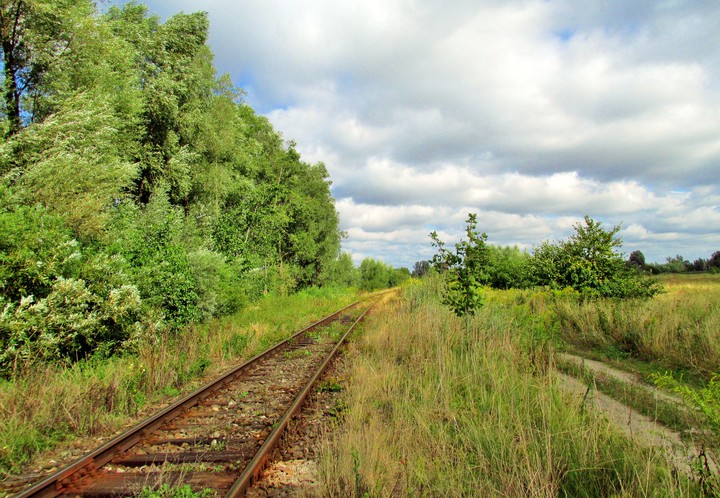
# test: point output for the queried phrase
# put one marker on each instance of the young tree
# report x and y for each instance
(465, 269)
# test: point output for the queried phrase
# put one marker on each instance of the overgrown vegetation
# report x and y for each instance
(433, 412)
(96, 396)
(137, 190)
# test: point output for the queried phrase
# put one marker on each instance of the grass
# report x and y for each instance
(434, 410)
(49, 404)
(678, 330)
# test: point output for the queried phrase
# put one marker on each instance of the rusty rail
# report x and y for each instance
(57, 483)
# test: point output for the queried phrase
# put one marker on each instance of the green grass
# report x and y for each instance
(438, 411)
(678, 330)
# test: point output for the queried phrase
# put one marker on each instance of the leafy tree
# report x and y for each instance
(71, 164)
(34, 35)
(637, 259)
(509, 267)
(398, 276)
(375, 274)
(677, 264)
(465, 269)
(421, 268)
(588, 263)
(342, 272)
(714, 261)
(700, 264)
(133, 178)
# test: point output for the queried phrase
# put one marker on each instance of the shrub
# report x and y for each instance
(588, 263)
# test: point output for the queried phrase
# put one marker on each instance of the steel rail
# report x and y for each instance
(53, 485)
(256, 465)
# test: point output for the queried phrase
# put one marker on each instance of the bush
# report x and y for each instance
(588, 263)
(71, 322)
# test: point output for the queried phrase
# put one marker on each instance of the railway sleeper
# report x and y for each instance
(117, 484)
(182, 457)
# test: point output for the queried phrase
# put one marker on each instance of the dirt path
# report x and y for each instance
(633, 424)
(601, 368)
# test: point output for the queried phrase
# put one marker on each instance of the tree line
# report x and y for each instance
(138, 191)
(676, 264)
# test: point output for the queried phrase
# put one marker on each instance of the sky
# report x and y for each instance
(530, 113)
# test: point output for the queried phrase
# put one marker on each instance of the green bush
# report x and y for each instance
(588, 263)
(70, 322)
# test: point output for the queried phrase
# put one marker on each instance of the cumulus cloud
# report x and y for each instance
(531, 113)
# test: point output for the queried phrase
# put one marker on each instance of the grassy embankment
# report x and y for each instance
(434, 410)
(49, 404)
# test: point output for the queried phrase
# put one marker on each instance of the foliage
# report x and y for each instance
(342, 272)
(509, 268)
(136, 185)
(465, 270)
(588, 263)
(637, 259)
(421, 268)
(376, 275)
(706, 401)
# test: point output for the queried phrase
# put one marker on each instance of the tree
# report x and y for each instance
(509, 268)
(700, 264)
(375, 275)
(637, 259)
(398, 276)
(464, 269)
(588, 263)
(34, 35)
(678, 264)
(714, 261)
(421, 268)
(342, 272)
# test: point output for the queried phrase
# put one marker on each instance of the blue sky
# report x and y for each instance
(530, 113)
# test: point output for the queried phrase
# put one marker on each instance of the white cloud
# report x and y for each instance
(531, 113)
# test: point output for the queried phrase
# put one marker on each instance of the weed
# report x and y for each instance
(167, 491)
(43, 406)
(329, 387)
(297, 353)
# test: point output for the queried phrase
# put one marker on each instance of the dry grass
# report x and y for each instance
(680, 328)
(436, 411)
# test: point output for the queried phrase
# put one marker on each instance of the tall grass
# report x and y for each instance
(434, 410)
(680, 328)
(48, 404)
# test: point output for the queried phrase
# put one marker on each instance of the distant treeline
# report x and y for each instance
(676, 264)
(138, 192)
(510, 267)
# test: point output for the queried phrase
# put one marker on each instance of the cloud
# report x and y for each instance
(531, 113)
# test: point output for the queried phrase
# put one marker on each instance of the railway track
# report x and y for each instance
(217, 437)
